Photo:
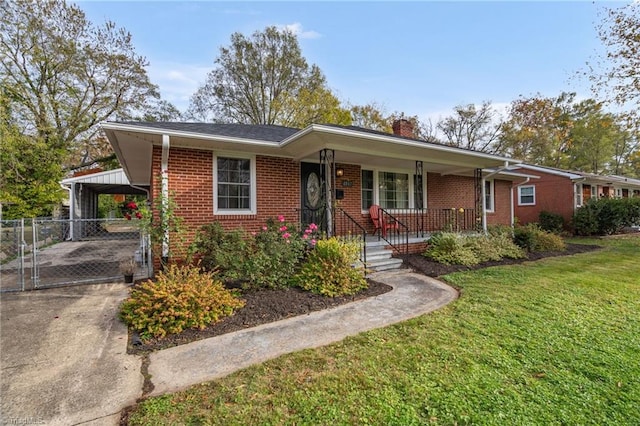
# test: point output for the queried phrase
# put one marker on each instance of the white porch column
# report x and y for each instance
(164, 189)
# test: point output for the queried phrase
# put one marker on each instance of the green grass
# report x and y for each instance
(554, 342)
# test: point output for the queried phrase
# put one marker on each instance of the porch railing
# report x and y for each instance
(346, 226)
(394, 231)
(343, 225)
(421, 222)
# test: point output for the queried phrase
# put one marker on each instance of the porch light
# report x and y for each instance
(339, 172)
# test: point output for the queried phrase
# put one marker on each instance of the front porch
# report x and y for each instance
(398, 231)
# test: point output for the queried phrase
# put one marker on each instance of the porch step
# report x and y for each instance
(379, 259)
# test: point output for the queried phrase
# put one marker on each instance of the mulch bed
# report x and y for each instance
(267, 306)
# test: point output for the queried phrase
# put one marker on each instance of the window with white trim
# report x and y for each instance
(488, 196)
(367, 189)
(391, 189)
(526, 195)
(234, 185)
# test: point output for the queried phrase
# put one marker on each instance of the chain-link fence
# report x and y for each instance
(39, 253)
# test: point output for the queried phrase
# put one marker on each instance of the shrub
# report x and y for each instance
(551, 222)
(606, 216)
(182, 297)
(532, 238)
(220, 250)
(273, 256)
(469, 250)
(330, 269)
(450, 248)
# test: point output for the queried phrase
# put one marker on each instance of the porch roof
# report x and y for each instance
(133, 143)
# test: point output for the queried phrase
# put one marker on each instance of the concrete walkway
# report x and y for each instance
(63, 352)
(182, 366)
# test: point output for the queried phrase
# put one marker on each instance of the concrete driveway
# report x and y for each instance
(63, 357)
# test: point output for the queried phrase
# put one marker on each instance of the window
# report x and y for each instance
(367, 189)
(526, 195)
(393, 190)
(234, 189)
(488, 195)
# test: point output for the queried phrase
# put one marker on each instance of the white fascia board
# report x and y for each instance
(395, 140)
(181, 134)
(507, 173)
(550, 171)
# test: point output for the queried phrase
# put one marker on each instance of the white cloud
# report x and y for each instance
(177, 82)
(296, 28)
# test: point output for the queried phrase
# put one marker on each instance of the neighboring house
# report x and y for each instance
(241, 175)
(562, 191)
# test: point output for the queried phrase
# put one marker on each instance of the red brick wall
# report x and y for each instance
(501, 204)
(444, 192)
(553, 194)
(191, 186)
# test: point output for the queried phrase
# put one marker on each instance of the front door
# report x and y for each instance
(312, 195)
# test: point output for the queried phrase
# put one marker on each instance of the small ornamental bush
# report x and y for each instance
(532, 238)
(182, 297)
(220, 250)
(330, 269)
(469, 250)
(551, 222)
(450, 249)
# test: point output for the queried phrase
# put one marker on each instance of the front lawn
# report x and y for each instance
(550, 342)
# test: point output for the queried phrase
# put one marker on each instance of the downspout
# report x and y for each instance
(164, 193)
(484, 194)
(513, 187)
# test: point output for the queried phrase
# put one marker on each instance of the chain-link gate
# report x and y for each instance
(41, 253)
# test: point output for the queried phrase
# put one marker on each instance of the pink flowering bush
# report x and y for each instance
(273, 256)
(267, 258)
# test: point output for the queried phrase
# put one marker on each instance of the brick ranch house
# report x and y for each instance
(241, 175)
(562, 191)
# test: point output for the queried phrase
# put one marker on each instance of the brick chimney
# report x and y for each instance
(403, 127)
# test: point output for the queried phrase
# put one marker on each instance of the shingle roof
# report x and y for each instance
(246, 131)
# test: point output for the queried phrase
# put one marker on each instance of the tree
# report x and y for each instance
(618, 75)
(370, 116)
(60, 76)
(28, 173)
(473, 128)
(65, 75)
(537, 129)
(265, 80)
(593, 138)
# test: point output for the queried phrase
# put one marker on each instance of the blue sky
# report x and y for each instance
(420, 58)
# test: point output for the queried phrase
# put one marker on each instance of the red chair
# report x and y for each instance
(379, 223)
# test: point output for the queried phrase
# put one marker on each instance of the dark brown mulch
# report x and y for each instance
(434, 269)
(261, 307)
(267, 306)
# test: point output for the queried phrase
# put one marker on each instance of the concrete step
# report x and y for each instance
(379, 258)
(384, 265)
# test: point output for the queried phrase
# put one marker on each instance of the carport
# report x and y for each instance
(84, 191)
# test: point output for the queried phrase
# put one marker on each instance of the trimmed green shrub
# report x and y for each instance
(220, 250)
(181, 297)
(551, 222)
(532, 238)
(468, 250)
(606, 216)
(330, 269)
(451, 249)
